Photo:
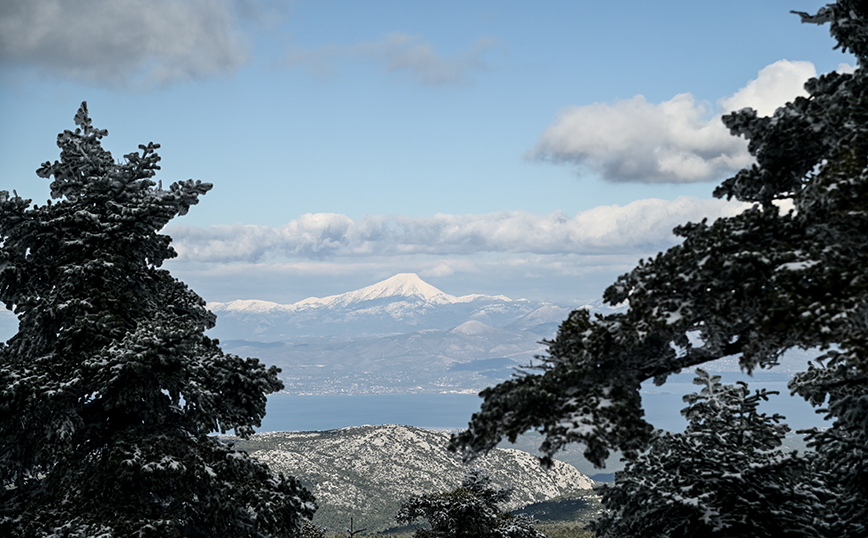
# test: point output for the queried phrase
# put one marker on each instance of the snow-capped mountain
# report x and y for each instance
(406, 288)
(398, 335)
(396, 305)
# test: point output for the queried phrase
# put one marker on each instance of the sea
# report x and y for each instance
(451, 411)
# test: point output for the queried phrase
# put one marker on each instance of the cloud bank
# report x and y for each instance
(133, 43)
(402, 53)
(515, 253)
(636, 227)
(677, 141)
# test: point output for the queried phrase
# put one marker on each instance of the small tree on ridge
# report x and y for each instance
(469, 511)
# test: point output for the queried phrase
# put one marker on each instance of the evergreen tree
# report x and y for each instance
(723, 476)
(110, 387)
(754, 286)
(469, 511)
(842, 449)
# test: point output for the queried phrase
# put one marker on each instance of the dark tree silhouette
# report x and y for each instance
(110, 388)
(753, 286)
(469, 511)
(725, 475)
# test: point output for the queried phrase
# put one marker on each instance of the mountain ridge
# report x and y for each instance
(402, 286)
(366, 471)
(398, 335)
(400, 304)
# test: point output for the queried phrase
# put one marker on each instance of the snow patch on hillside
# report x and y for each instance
(473, 328)
(370, 469)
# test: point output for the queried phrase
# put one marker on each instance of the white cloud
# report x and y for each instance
(448, 267)
(636, 227)
(845, 68)
(142, 43)
(514, 253)
(677, 141)
(534, 276)
(400, 52)
(403, 52)
(775, 85)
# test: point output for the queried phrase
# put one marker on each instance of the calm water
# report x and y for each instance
(286, 412)
(452, 411)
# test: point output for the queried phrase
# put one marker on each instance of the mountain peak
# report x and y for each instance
(404, 285)
(406, 288)
(370, 468)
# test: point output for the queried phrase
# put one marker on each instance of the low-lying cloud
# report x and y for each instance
(515, 253)
(677, 141)
(135, 43)
(636, 227)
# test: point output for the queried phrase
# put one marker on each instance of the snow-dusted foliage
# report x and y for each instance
(110, 387)
(753, 285)
(469, 511)
(843, 448)
(722, 477)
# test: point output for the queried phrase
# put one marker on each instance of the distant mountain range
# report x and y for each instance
(365, 472)
(397, 305)
(399, 335)
(404, 335)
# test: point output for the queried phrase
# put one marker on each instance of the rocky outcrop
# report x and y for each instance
(366, 471)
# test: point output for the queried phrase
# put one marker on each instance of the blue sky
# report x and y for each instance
(532, 149)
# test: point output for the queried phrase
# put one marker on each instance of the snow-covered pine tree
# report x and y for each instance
(723, 476)
(753, 285)
(470, 511)
(110, 387)
(842, 449)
